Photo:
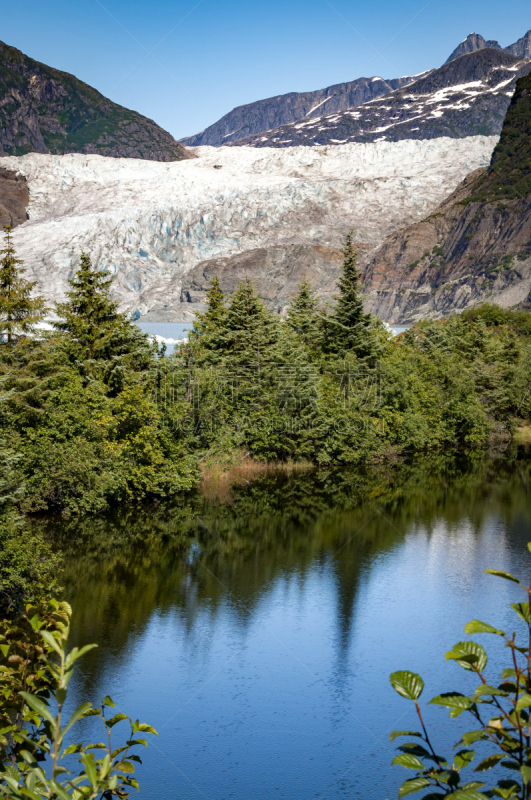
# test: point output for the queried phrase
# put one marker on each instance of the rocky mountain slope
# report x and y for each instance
(265, 115)
(44, 110)
(280, 212)
(275, 112)
(474, 41)
(475, 247)
(14, 198)
(468, 96)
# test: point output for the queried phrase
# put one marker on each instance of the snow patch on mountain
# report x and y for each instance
(149, 223)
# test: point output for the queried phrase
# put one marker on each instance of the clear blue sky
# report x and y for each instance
(209, 56)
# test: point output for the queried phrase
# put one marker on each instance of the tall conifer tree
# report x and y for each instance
(303, 317)
(249, 331)
(97, 329)
(19, 311)
(348, 328)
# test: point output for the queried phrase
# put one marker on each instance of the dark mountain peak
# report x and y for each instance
(522, 47)
(474, 41)
(45, 110)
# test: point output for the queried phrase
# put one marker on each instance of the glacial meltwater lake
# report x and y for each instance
(255, 627)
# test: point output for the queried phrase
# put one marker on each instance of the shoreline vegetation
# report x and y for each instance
(94, 415)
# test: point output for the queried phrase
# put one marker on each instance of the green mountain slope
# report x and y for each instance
(509, 174)
(47, 111)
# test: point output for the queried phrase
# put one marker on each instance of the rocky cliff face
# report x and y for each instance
(264, 115)
(44, 110)
(468, 96)
(475, 247)
(14, 198)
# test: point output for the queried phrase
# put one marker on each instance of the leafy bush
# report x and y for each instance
(34, 677)
(500, 710)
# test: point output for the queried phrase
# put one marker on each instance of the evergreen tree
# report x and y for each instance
(96, 329)
(247, 332)
(19, 311)
(203, 337)
(213, 316)
(348, 328)
(303, 317)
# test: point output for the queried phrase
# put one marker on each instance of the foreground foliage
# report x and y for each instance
(500, 711)
(35, 756)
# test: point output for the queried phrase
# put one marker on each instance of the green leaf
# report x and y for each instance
(451, 700)
(59, 790)
(60, 696)
(522, 609)
(473, 785)
(74, 654)
(90, 770)
(485, 689)
(472, 736)
(489, 762)
(80, 711)
(464, 758)
(108, 702)
(523, 702)
(413, 785)
(72, 748)
(118, 751)
(481, 627)
(395, 734)
(92, 712)
(110, 723)
(407, 684)
(526, 773)
(408, 761)
(500, 574)
(145, 728)
(5, 649)
(125, 766)
(417, 750)
(468, 794)
(51, 641)
(467, 654)
(38, 706)
(132, 742)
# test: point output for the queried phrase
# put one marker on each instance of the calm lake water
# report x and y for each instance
(257, 632)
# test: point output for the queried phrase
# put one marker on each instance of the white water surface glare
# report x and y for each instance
(260, 649)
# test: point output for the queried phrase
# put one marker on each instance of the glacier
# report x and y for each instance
(149, 223)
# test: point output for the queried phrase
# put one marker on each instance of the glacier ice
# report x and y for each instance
(149, 223)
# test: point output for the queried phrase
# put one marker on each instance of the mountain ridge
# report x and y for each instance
(45, 110)
(475, 247)
(252, 119)
(467, 96)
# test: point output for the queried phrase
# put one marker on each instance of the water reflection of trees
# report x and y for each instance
(195, 554)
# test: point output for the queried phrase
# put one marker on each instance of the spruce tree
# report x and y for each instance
(204, 338)
(211, 319)
(19, 311)
(97, 331)
(249, 330)
(303, 317)
(348, 328)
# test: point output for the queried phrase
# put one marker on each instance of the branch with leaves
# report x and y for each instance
(35, 733)
(500, 712)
